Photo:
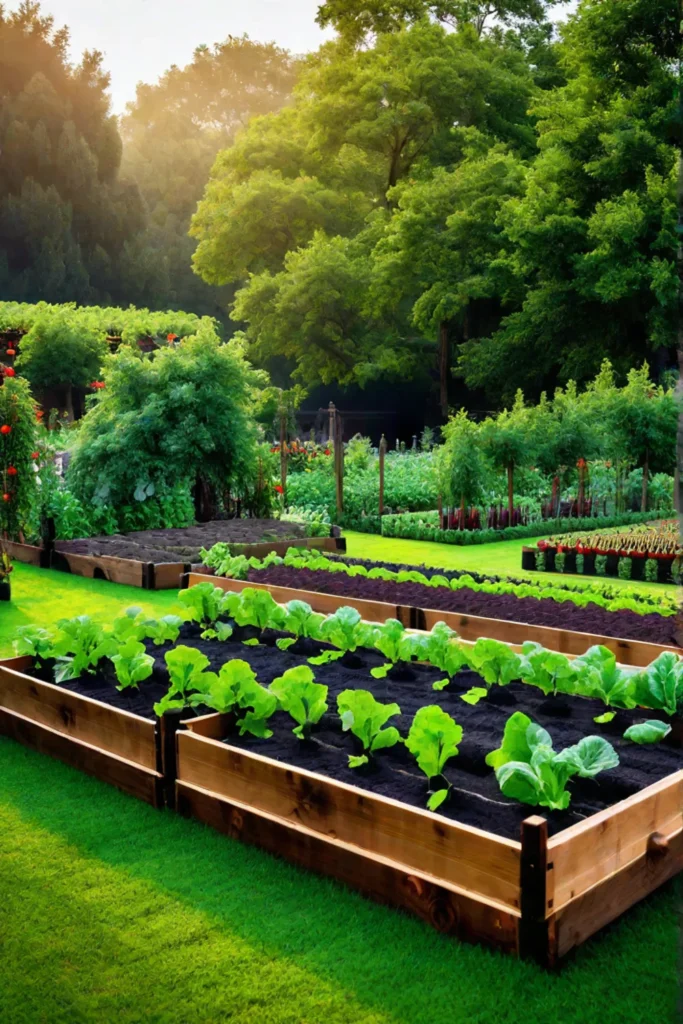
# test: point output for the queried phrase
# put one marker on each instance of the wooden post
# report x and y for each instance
(283, 453)
(339, 462)
(440, 510)
(533, 926)
(382, 455)
(332, 411)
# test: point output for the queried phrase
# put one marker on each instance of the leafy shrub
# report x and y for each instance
(600, 565)
(625, 568)
(18, 488)
(651, 570)
(560, 559)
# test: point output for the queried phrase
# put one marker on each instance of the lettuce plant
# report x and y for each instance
(302, 621)
(599, 676)
(395, 643)
(651, 731)
(205, 603)
(433, 739)
(496, 663)
(79, 645)
(365, 717)
(132, 664)
(161, 631)
(127, 626)
(236, 688)
(529, 770)
(33, 642)
(305, 700)
(442, 649)
(258, 608)
(660, 686)
(187, 672)
(346, 631)
(549, 671)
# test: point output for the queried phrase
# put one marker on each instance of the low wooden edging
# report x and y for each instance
(135, 754)
(469, 627)
(29, 554)
(538, 898)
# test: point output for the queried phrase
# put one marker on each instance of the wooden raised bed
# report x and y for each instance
(469, 627)
(30, 554)
(133, 753)
(281, 547)
(538, 898)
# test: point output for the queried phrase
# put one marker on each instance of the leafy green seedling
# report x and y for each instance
(236, 688)
(259, 608)
(132, 664)
(187, 671)
(79, 645)
(599, 676)
(433, 739)
(205, 603)
(365, 717)
(127, 626)
(395, 643)
(33, 642)
(305, 700)
(651, 731)
(660, 686)
(529, 770)
(302, 621)
(221, 631)
(347, 631)
(550, 672)
(496, 663)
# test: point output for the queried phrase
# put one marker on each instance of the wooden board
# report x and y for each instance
(468, 627)
(475, 862)
(446, 908)
(89, 721)
(101, 567)
(165, 575)
(138, 781)
(29, 554)
(585, 854)
(281, 547)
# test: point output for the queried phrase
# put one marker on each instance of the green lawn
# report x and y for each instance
(112, 911)
(501, 559)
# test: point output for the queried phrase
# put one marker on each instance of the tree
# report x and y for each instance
(181, 415)
(462, 466)
(171, 136)
(356, 19)
(17, 444)
(62, 351)
(66, 217)
(646, 425)
(506, 440)
(563, 438)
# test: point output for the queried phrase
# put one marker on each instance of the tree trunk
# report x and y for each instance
(580, 497)
(204, 503)
(462, 513)
(444, 368)
(69, 402)
(555, 499)
(643, 498)
(511, 492)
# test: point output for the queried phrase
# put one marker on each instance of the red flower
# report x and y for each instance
(279, 488)
(11, 471)
(97, 385)
(5, 429)
(581, 464)
(5, 497)
(11, 352)
(9, 372)
(35, 455)
(327, 451)
(171, 337)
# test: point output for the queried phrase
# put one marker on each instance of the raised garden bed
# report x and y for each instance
(328, 598)
(482, 868)
(156, 559)
(93, 727)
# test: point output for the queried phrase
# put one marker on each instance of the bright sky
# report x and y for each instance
(140, 39)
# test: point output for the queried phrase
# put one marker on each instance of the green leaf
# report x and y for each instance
(357, 762)
(436, 799)
(365, 717)
(604, 719)
(303, 698)
(381, 671)
(254, 642)
(474, 695)
(326, 657)
(521, 737)
(285, 642)
(495, 662)
(589, 756)
(433, 739)
(441, 684)
(651, 731)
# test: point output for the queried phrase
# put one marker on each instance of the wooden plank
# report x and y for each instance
(468, 627)
(132, 778)
(281, 547)
(106, 567)
(585, 854)
(29, 554)
(446, 908)
(612, 896)
(474, 860)
(166, 575)
(89, 721)
(533, 927)
(214, 726)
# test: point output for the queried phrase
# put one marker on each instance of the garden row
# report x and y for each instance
(331, 733)
(651, 552)
(623, 616)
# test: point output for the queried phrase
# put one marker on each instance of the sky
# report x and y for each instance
(140, 39)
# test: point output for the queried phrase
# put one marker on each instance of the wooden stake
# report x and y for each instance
(283, 454)
(382, 455)
(339, 462)
(533, 927)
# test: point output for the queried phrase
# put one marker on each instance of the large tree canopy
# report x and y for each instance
(68, 222)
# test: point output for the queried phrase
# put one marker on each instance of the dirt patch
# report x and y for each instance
(161, 546)
(651, 627)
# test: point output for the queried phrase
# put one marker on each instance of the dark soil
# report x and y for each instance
(476, 799)
(651, 627)
(161, 546)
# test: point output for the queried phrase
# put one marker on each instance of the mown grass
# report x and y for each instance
(501, 559)
(112, 911)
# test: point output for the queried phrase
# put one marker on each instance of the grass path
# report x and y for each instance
(112, 911)
(501, 559)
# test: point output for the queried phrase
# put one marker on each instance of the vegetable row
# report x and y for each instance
(238, 566)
